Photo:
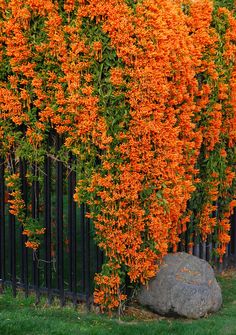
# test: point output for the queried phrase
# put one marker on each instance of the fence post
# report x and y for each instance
(85, 232)
(72, 230)
(35, 215)
(59, 224)
(196, 247)
(203, 252)
(2, 223)
(47, 236)
(23, 238)
(233, 237)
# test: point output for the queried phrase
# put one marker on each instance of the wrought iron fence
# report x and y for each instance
(68, 257)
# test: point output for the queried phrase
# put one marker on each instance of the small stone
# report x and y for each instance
(184, 285)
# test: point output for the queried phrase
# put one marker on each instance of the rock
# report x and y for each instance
(185, 285)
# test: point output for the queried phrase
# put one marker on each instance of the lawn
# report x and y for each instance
(20, 316)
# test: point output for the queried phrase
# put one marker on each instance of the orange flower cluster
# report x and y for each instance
(32, 245)
(17, 205)
(17, 208)
(109, 286)
(48, 84)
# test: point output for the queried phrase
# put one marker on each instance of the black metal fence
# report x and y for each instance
(205, 249)
(68, 257)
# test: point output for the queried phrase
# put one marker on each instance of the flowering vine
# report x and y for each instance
(144, 94)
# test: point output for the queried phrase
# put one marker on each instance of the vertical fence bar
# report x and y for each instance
(12, 239)
(214, 259)
(233, 236)
(189, 237)
(226, 258)
(82, 221)
(99, 259)
(209, 250)
(47, 236)
(87, 257)
(35, 215)
(183, 241)
(12, 251)
(72, 230)
(59, 224)
(203, 250)
(2, 222)
(196, 247)
(23, 238)
(180, 245)
(85, 232)
(189, 247)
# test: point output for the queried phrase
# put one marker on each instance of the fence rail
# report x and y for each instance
(68, 257)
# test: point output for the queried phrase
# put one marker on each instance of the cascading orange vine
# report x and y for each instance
(143, 161)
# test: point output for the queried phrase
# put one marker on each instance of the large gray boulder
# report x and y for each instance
(185, 285)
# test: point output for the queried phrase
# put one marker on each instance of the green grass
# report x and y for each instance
(20, 316)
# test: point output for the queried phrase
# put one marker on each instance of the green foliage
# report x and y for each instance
(230, 4)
